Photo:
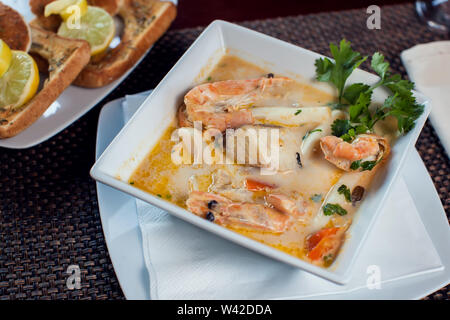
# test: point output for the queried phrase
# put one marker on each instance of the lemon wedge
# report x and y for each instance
(96, 26)
(5, 57)
(66, 8)
(20, 82)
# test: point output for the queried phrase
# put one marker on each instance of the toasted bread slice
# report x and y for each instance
(13, 29)
(145, 22)
(50, 23)
(38, 8)
(66, 58)
(111, 6)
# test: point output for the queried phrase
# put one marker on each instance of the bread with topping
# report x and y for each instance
(66, 58)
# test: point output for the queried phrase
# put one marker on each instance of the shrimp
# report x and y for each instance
(284, 204)
(228, 213)
(248, 186)
(235, 103)
(225, 104)
(183, 120)
(368, 147)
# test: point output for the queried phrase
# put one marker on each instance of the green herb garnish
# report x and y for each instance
(343, 189)
(364, 165)
(131, 182)
(345, 61)
(355, 165)
(340, 127)
(357, 97)
(331, 208)
(309, 132)
(298, 112)
(368, 165)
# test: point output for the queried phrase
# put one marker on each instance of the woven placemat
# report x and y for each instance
(49, 216)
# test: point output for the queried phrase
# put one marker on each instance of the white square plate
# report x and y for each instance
(118, 213)
(145, 128)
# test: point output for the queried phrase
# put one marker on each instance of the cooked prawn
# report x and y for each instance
(235, 103)
(226, 212)
(365, 147)
(183, 120)
(222, 185)
(284, 204)
(224, 104)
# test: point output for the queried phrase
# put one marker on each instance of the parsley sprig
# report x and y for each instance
(364, 165)
(345, 61)
(344, 190)
(333, 208)
(357, 97)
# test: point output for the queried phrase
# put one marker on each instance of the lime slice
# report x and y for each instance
(5, 57)
(96, 26)
(19, 84)
(66, 8)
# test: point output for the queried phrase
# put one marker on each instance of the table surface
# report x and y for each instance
(49, 215)
(193, 13)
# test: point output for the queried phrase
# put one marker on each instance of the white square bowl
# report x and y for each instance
(145, 128)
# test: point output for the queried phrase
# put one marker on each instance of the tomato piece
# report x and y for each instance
(254, 185)
(322, 242)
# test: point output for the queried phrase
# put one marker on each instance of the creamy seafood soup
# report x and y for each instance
(273, 172)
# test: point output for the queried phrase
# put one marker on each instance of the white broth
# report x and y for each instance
(307, 180)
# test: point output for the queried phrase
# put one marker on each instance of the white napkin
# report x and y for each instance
(428, 65)
(185, 262)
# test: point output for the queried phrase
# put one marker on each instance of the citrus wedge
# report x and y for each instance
(66, 8)
(96, 27)
(5, 57)
(20, 82)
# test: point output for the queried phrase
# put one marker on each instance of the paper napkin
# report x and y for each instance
(428, 65)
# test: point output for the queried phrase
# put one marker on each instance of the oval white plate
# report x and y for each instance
(73, 103)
